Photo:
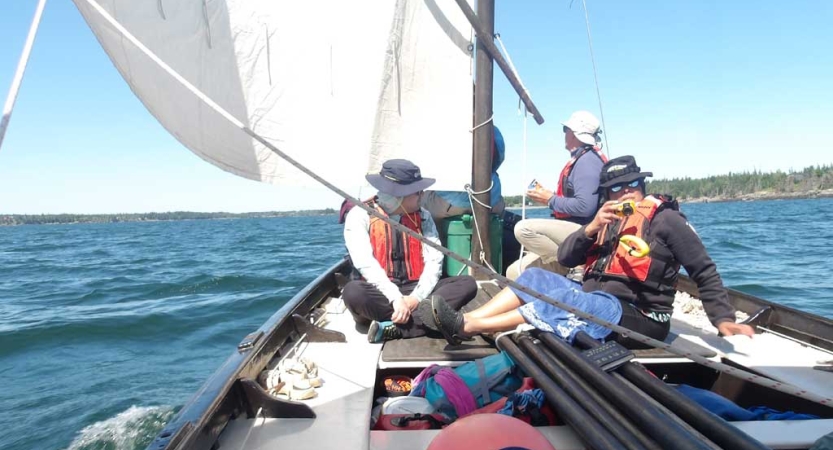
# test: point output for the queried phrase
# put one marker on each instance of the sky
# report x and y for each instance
(690, 88)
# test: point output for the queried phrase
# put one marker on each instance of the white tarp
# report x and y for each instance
(340, 86)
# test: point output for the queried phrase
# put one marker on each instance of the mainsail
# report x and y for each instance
(339, 86)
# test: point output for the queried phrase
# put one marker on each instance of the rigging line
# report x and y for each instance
(484, 123)
(512, 66)
(595, 75)
(624, 332)
(472, 199)
(21, 68)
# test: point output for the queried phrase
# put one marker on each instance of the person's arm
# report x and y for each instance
(585, 180)
(690, 252)
(431, 257)
(573, 251)
(357, 240)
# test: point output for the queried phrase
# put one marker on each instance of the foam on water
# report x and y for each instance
(125, 431)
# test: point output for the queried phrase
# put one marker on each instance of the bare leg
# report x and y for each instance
(504, 301)
(501, 322)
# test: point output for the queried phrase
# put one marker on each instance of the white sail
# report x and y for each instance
(339, 86)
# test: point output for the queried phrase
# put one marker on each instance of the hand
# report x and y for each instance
(605, 215)
(732, 328)
(401, 311)
(539, 194)
(411, 302)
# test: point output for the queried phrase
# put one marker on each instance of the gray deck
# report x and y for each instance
(436, 349)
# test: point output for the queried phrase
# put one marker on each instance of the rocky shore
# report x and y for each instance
(763, 195)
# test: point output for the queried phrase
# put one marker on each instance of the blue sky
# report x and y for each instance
(691, 88)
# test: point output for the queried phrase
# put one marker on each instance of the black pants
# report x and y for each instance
(634, 320)
(367, 303)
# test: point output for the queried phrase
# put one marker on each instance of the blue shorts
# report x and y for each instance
(550, 318)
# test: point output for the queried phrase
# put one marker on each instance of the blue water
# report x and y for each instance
(105, 330)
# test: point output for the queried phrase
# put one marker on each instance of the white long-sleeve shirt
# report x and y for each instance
(357, 240)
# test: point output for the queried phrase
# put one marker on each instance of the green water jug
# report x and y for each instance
(456, 235)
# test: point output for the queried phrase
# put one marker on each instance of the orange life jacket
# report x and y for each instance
(608, 259)
(563, 190)
(399, 254)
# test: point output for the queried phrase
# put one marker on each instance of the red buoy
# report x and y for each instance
(490, 432)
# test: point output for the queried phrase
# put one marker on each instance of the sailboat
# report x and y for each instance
(247, 87)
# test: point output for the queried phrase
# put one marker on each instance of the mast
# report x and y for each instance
(482, 166)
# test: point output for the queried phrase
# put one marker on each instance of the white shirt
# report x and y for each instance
(357, 240)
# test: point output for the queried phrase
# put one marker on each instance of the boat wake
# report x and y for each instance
(131, 429)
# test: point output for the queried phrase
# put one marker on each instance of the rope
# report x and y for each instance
(739, 373)
(595, 74)
(21, 68)
(511, 65)
(484, 123)
(472, 200)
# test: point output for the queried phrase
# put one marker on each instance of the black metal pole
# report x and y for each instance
(483, 133)
(665, 411)
(713, 427)
(665, 431)
(587, 428)
(618, 425)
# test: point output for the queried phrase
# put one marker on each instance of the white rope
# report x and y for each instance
(484, 123)
(21, 68)
(622, 331)
(595, 75)
(472, 200)
(511, 65)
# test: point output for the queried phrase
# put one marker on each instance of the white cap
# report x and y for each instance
(585, 126)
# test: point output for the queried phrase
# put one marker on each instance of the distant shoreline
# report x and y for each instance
(755, 196)
(764, 195)
(71, 219)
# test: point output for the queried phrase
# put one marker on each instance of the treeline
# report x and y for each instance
(736, 185)
(40, 219)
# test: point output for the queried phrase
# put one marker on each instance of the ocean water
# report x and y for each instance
(107, 329)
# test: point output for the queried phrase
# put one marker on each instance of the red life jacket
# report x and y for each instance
(608, 259)
(563, 190)
(399, 254)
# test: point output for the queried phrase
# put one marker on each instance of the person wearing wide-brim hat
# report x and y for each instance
(396, 271)
(574, 201)
(624, 282)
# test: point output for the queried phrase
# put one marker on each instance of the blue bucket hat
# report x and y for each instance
(399, 178)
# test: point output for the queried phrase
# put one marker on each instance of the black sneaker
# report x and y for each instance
(449, 321)
(383, 331)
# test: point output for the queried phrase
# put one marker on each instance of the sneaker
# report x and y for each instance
(449, 321)
(383, 331)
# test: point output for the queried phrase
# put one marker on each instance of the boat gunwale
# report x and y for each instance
(800, 325)
(201, 420)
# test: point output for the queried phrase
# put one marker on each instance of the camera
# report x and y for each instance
(625, 209)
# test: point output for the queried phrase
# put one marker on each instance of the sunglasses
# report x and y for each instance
(565, 129)
(618, 187)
